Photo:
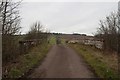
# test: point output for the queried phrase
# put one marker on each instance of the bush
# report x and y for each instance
(10, 48)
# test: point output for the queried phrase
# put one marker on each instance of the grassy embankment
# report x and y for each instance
(104, 65)
(27, 61)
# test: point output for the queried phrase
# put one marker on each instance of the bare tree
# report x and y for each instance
(109, 31)
(35, 31)
(9, 16)
(10, 24)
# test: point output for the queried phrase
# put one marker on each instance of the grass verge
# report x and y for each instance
(27, 61)
(97, 62)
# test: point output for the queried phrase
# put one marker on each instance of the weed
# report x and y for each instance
(28, 61)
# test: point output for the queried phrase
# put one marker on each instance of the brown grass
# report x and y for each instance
(104, 64)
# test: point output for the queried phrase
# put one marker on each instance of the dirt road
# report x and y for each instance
(62, 62)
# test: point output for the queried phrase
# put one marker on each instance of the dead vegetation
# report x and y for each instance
(104, 65)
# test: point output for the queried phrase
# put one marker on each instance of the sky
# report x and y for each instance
(65, 17)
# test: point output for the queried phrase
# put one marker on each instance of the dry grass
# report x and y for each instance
(105, 65)
(110, 59)
(25, 62)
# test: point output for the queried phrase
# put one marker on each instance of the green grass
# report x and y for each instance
(99, 66)
(28, 61)
(63, 41)
(52, 40)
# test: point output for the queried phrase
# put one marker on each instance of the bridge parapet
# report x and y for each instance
(25, 45)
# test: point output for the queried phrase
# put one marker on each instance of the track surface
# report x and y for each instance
(62, 62)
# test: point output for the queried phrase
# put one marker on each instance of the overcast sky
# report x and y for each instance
(66, 17)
